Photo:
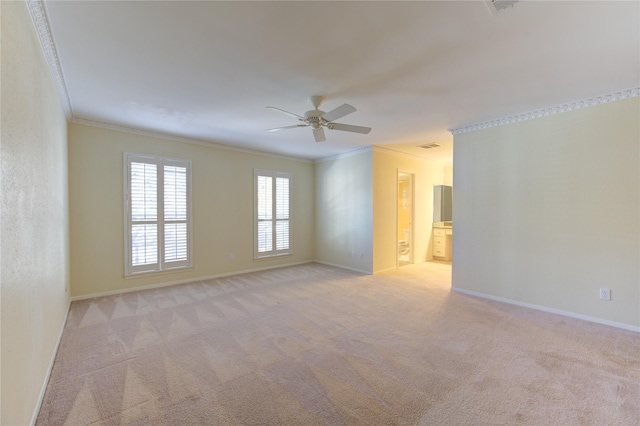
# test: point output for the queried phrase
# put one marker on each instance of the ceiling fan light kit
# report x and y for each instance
(318, 120)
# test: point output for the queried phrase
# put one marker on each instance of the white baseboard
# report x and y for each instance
(549, 310)
(335, 265)
(190, 280)
(34, 416)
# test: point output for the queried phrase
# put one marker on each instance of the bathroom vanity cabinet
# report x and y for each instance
(442, 243)
(442, 221)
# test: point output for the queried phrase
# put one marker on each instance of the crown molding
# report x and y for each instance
(346, 154)
(383, 148)
(573, 106)
(41, 23)
(379, 148)
(158, 135)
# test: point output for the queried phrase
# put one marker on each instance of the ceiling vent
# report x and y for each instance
(429, 146)
(496, 6)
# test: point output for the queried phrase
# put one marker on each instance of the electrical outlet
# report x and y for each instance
(231, 256)
(605, 294)
(353, 253)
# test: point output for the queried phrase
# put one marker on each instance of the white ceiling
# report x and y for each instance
(206, 70)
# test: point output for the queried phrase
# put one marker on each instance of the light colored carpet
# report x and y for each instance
(316, 345)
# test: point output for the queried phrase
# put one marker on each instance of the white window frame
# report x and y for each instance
(272, 253)
(161, 265)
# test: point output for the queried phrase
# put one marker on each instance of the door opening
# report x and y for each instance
(405, 219)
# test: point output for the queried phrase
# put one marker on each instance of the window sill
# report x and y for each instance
(153, 273)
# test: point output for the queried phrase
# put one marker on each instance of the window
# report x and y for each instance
(157, 213)
(272, 213)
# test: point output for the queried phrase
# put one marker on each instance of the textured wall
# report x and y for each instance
(448, 175)
(357, 200)
(344, 211)
(547, 211)
(222, 194)
(35, 271)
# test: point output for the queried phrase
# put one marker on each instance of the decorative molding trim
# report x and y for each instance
(372, 148)
(41, 23)
(158, 135)
(405, 154)
(573, 106)
(346, 154)
(548, 310)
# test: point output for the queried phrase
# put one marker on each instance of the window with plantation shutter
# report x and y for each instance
(272, 213)
(157, 212)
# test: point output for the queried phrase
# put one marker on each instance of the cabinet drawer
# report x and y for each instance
(439, 232)
(439, 251)
(439, 241)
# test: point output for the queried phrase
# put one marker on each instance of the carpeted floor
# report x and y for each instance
(316, 345)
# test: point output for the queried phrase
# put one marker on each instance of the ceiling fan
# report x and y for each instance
(318, 119)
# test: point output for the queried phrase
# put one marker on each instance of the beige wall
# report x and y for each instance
(344, 211)
(547, 211)
(386, 165)
(448, 176)
(222, 194)
(35, 253)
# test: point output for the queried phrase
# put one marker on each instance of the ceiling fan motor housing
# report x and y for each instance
(313, 117)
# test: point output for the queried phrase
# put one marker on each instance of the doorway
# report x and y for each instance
(405, 219)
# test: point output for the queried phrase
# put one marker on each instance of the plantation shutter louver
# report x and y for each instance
(144, 214)
(158, 213)
(175, 213)
(282, 213)
(265, 214)
(272, 213)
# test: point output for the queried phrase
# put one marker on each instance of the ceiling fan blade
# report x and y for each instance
(275, 129)
(286, 112)
(349, 128)
(319, 135)
(339, 112)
